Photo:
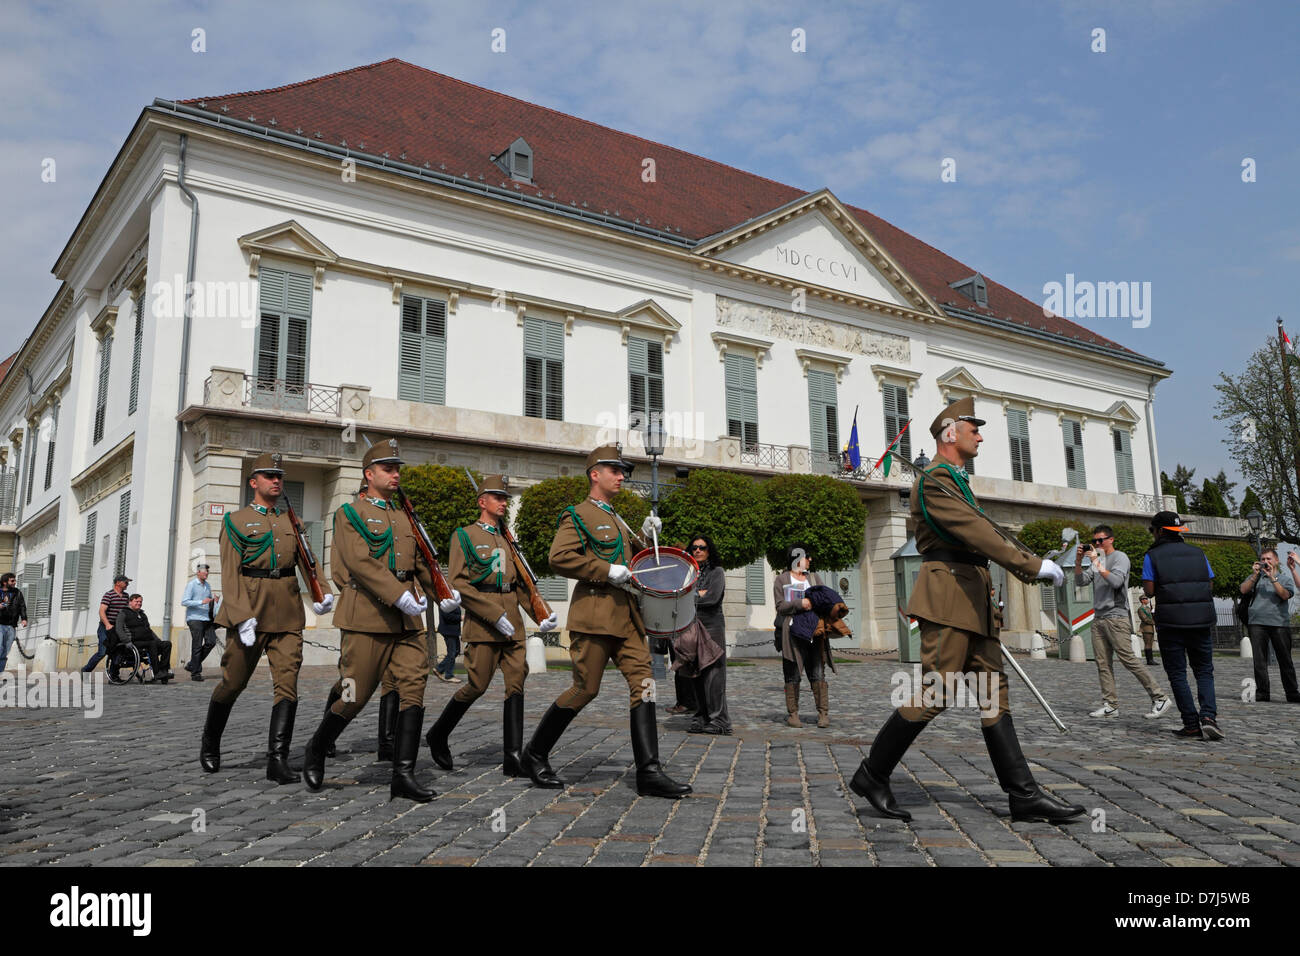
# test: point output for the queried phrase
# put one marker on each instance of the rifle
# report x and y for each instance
(306, 560)
(441, 589)
(537, 605)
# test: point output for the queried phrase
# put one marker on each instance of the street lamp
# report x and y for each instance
(654, 440)
(1256, 522)
(921, 462)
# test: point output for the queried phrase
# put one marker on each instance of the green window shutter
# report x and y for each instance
(422, 363)
(123, 523)
(755, 583)
(8, 487)
(645, 370)
(293, 491)
(33, 436)
(1075, 475)
(823, 413)
(1123, 460)
(70, 569)
(137, 345)
(49, 450)
(1018, 433)
(543, 369)
(316, 538)
(553, 589)
(741, 377)
(85, 564)
(894, 399)
(283, 338)
(101, 387)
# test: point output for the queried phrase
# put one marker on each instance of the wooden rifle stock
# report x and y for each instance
(441, 589)
(306, 560)
(536, 603)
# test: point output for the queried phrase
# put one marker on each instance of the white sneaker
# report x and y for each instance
(1160, 707)
(1105, 711)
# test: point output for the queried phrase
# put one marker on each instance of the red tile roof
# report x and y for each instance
(400, 108)
(5, 365)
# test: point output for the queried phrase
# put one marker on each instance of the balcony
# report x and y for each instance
(234, 388)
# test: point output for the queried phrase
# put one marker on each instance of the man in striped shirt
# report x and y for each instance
(110, 606)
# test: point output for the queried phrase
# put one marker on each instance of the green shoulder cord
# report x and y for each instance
(245, 544)
(962, 485)
(379, 544)
(476, 565)
(611, 551)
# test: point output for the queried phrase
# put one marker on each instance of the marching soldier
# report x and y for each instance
(481, 571)
(954, 603)
(261, 605)
(593, 545)
(380, 619)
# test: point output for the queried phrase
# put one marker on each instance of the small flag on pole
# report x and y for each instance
(886, 457)
(1290, 345)
(855, 454)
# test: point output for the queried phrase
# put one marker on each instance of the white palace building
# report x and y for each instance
(390, 251)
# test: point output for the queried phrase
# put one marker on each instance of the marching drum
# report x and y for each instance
(667, 586)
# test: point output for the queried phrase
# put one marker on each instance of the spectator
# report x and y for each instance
(110, 606)
(711, 715)
(1111, 624)
(449, 628)
(1147, 624)
(1269, 595)
(13, 610)
(798, 656)
(1178, 576)
(133, 625)
(200, 613)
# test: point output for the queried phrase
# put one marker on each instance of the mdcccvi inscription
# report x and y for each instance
(810, 330)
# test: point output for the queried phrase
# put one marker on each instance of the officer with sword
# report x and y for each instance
(953, 600)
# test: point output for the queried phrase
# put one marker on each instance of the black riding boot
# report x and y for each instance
(387, 723)
(535, 760)
(334, 695)
(651, 781)
(213, 727)
(872, 779)
(441, 730)
(407, 745)
(512, 736)
(1028, 802)
(277, 745)
(313, 759)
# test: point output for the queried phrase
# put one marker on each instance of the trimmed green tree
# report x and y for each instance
(822, 512)
(723, 505)
(539, 515)
(443, 498)
(1231, 562)
(1250, 503)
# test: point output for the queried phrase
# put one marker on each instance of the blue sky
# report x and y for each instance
(1115, 166)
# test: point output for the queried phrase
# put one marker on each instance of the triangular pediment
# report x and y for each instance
(1122, 412)
(288, 238)
(648, 316)
(816, 241)
(959, 380)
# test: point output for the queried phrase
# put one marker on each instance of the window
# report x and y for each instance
(49, 454)
(755, 583)
(283, 336)
(823, 415)
(422, 362)
(101, 387)
(1074, 470)
(645, 378)
(1018, 433)
(543, 369)
(896, 416)
(293, 492)
(1123, 460)
(742, 398)
(137, 345)
(33, 436)
(123, 519)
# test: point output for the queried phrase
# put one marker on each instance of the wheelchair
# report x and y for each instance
(124, 663)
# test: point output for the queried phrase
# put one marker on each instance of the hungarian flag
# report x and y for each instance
(886, 458)
(1290, 345)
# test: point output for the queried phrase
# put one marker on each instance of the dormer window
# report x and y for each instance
(973, 288)
(517, 161)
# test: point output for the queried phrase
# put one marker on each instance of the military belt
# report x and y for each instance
(493, 589)
(956, 557)
(268, 572)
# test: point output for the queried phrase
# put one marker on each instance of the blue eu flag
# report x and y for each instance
(855, 456)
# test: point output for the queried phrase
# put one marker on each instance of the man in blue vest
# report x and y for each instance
(1178, 576)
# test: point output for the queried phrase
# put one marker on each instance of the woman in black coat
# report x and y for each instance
(711, 685)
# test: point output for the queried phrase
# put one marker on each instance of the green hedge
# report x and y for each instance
(823, 512)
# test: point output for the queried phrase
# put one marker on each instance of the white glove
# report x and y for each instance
(618, 573)
(550, 624)
(408, 605)
(248, 632)
(652, 523)
(449, 605)
(325, 606)
(1051, 571)
(505, 627)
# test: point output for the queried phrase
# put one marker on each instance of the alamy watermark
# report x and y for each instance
(41, 689)
(1098, 300)
(978, 689)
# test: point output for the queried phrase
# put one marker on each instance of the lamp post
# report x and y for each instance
(1256, 522)
(654, 440)
(921, 462)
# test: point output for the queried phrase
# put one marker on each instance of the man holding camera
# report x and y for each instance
(1111, 624)
(1268, 593)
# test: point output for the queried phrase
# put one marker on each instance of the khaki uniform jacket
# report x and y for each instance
(953, 594)
(275, 602)
(367, 588)
(597, 607)
(484, 608)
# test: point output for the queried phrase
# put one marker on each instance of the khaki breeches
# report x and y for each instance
(283, 652)
(949, 655)
(367, 659)
(482, 660)
(591, 652)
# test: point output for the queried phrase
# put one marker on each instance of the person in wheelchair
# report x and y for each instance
(133, 625)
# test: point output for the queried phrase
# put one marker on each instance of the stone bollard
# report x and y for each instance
(1139, 648)
(536, 655)
(1077, 653)
(1246, 652)
(1037, 649)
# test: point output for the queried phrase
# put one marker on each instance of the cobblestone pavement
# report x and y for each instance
(124, 789)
